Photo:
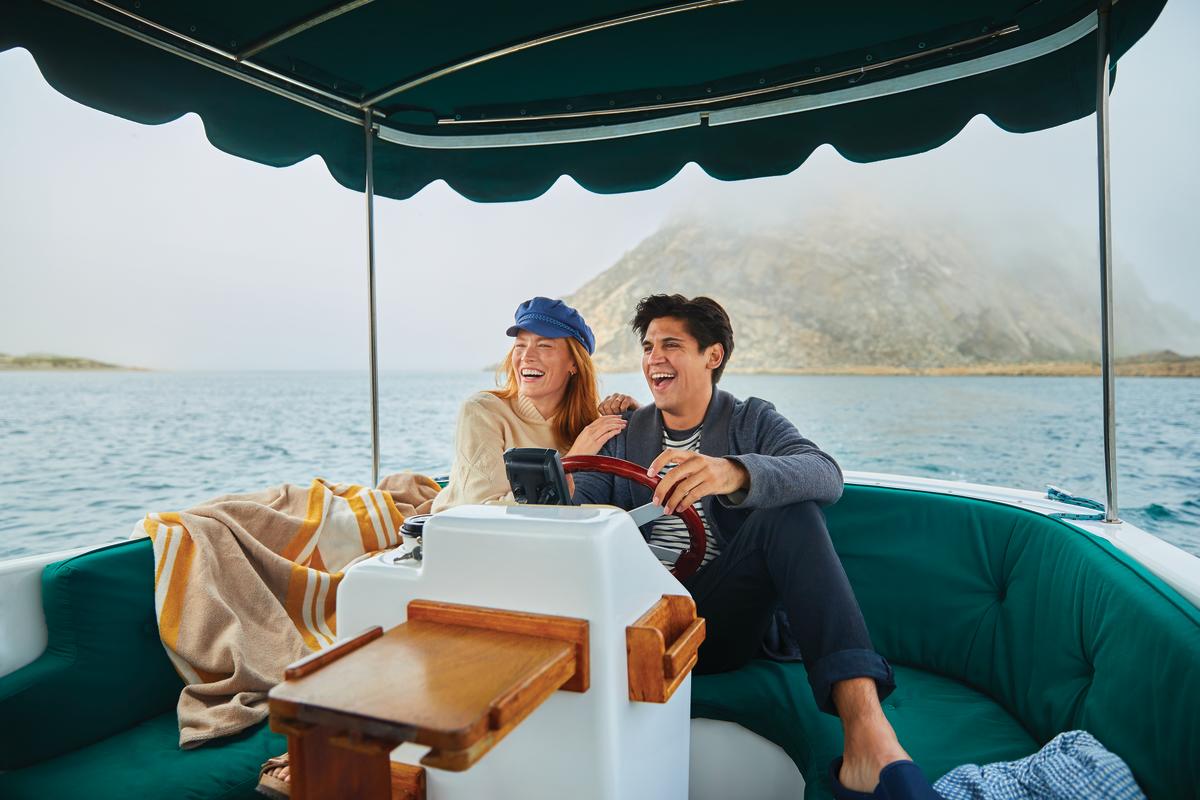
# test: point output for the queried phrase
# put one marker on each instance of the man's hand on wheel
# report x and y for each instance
(695, 476)
(617, 403)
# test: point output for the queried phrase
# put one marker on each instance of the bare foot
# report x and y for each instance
(868, 750)
(862, 775)
(870, 742)
(276, 778)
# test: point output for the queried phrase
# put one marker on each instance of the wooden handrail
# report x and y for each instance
(314, 661)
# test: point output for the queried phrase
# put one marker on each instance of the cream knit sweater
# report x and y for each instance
(487, 426)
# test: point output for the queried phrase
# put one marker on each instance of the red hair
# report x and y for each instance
(578, 408)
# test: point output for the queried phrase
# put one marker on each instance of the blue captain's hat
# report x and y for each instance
(553, 319)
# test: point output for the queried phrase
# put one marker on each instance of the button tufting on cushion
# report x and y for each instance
(1013, 603)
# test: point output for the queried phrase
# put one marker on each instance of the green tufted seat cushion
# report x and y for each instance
(1033, 623)
(146, 762)
(94, 715)
(104, 668)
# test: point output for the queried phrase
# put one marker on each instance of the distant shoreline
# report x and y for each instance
(6, 368)
(1185, 368)
(1181, 368)
(40, 362)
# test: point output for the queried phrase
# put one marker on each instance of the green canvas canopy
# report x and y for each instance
(500, 99)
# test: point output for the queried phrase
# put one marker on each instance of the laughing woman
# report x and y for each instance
(548, 400)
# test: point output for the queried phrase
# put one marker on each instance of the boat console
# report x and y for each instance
(515, 650)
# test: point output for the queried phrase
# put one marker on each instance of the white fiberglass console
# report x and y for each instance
(588, 563)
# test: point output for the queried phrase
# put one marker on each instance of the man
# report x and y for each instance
(758, 485)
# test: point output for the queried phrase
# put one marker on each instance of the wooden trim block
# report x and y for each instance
(662, 648)
(323, 770)
(684, 650)
(567, 629)
(408, 782)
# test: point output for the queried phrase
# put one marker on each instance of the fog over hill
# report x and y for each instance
(848, 287)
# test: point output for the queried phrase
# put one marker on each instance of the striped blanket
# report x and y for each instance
(246, 584)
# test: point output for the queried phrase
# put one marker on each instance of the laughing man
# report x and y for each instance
(759, 487)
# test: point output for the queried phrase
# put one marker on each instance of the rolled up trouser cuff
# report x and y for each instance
(843, 665)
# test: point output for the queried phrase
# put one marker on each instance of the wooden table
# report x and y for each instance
(455, 678)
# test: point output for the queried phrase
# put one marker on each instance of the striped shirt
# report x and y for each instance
(670, 533)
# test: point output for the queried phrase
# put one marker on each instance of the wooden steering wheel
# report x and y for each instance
(689, 560)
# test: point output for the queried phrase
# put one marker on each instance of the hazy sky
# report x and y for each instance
(145, 245)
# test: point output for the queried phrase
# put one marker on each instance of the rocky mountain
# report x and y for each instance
(844, 292)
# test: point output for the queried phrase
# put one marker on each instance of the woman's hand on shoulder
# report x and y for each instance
(594, 436)
(617, 403)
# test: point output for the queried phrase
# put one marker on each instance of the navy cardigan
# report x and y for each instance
(784, 467)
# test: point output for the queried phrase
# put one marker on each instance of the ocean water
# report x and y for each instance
(83, 456)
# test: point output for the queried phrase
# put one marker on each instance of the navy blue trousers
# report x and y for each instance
(783, 557)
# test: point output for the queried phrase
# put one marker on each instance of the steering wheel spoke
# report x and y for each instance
(689, 560)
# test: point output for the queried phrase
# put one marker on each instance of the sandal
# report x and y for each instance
(271, 786)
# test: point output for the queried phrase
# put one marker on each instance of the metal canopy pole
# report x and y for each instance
(300, 27)
(368, 131)
(1106, 293)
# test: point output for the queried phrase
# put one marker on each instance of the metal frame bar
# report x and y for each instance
(755, 111)
(224, 69)
(299, 27)
(1107, 340)
(369, 191)
(567, 136)
(725, 98)
(420, 80)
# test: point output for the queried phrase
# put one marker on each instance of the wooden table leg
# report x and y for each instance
(327, 765)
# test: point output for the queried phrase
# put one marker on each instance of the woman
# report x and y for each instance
(548, 400)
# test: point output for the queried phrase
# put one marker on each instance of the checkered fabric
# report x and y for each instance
(1072, 766)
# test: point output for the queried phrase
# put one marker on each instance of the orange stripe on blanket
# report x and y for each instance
(181, 570)
(312, 521)
(297, 588)
(366, 528)
(312, 610)
(150, 526)
(393, 512)
(162, 559)
(315, 561)
(331, 602)
(389, 531)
